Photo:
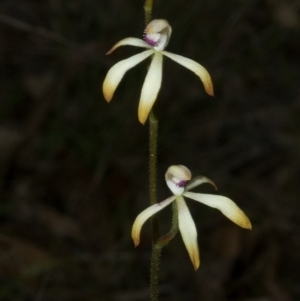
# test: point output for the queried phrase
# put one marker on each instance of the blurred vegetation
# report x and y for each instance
(73, 169)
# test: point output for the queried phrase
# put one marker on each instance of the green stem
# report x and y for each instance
(148, 10)
(156, 249)
(156, 253)
(154, 271)
(153, 131)
(158, 242)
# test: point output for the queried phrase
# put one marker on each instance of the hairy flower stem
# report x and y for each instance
(154, 271)
(158, 242)
(148, 10)
(153, 131)
(156, 249)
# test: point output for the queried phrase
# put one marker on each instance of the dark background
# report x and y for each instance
(73, 169)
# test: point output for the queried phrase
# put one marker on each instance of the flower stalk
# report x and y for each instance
(154, 271)
(148, 11)
(156, 248)
(155, 39)
(153, 131)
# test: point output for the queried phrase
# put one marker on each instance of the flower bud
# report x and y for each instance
(157, 34)
(177, 177)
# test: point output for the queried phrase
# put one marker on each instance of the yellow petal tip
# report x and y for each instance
(142, 119)
(246, 224)
(136, 243)
(107, 95)
(209, 90)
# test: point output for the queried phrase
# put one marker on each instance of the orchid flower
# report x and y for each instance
(177, 177)
(156, 38)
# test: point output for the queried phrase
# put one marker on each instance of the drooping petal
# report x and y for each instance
(151, 87)
(117, 71)
(198, 181)
(145, 215)
(224, 204)
(131, 42)
(188, 231)
(194, 67)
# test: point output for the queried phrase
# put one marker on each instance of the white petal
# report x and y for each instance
(130, 41)
(188, 231)
(116, 73)
(225, 205)
(145, 215)
(151, 87)
(198, 181)
(194, 67)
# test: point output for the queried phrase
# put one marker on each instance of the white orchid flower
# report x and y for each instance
(176, 178)
(156, 38)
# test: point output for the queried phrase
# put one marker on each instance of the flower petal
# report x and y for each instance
(116, 73)
(225, 205)
(194, 67)
(130, 41)
(151, 87)
(188, 231)
(198, 181)
(145, 215)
